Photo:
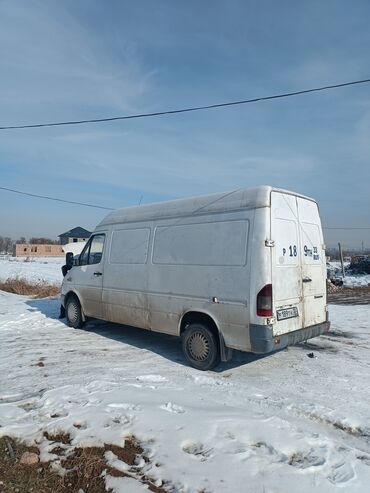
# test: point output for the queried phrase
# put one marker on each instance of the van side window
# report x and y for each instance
(129, 246)
(84, 255)
(93, 251)
(96, 249)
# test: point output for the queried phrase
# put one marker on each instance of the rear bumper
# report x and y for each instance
(263, 341)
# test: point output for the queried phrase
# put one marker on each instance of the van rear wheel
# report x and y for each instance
(200, 346)
(73, 312)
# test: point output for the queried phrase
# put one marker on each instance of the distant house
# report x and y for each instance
(39, 250)
(74, 235)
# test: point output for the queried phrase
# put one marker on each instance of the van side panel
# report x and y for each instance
(196, 260)
(260, 273)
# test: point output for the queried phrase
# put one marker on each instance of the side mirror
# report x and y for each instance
(69, 260)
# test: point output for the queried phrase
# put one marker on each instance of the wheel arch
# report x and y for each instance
(194, 316)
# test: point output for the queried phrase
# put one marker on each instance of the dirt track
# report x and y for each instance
(350, 296)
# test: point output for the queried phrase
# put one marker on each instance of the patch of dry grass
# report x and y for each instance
(19, 285)
(85, 467)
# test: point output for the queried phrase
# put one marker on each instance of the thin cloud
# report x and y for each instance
(49, 57)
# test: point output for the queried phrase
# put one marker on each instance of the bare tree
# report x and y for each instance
(6, 244)
(43, 241)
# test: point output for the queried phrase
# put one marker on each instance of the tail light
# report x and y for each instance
(264, 301)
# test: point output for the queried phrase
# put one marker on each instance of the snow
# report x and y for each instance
(267, 422)
(356, 280)
(75, 248)
(126, 485)
(337, 265)
(32, 269)
(350, 280)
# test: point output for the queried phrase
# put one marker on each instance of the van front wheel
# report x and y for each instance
(73, 312)
(200, 346)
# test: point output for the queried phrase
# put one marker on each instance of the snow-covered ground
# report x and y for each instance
(284, 422)
(261, 423)
(33, 269)
(355, 281)
(337, 265)
(350, 280)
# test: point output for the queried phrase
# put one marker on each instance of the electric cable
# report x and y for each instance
(185, 110)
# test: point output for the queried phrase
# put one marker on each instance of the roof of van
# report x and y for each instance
(246, 198)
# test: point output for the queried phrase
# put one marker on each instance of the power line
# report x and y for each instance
(55, 199)
(185, 110)
(345, 228)
(111, 208)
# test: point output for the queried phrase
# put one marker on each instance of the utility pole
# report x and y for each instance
(341, 258)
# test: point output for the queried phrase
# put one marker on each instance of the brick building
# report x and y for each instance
(74, 235)
(31, 250)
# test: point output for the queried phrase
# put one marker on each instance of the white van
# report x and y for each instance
(240, 270)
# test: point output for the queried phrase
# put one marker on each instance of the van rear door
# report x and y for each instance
(298, 263)
(313, 263)
(286, 264)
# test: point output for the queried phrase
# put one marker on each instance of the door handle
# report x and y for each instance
(306, 279)
(98, 273)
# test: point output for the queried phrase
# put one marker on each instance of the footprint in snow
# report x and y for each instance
(151, 378)
(264, 448)
(303, 460)
(58, 414)
(119, 419)
(172, 408)
(80, 425)
(364, 458)
(211, 381)
(341, 473)
(30, 405)
(197, 450)
(124, 405)
(299, 460)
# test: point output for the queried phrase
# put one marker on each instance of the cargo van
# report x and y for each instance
(241, 270)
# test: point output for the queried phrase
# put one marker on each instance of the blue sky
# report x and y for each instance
(93, 58)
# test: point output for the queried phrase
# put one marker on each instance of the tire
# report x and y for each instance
(200, 346)
(74, 313)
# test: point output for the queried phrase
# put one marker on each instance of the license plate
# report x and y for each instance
(287, 313)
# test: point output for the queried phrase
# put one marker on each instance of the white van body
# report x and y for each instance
(250, 263)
